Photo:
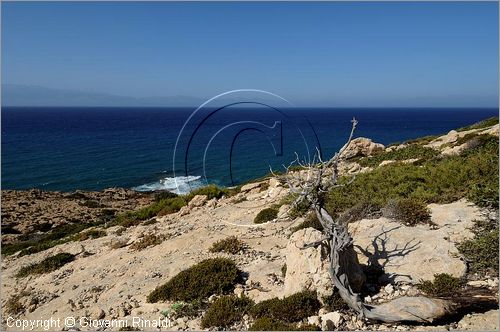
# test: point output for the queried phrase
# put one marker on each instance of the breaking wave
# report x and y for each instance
(179, 185)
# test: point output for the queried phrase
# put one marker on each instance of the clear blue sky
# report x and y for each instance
(332, 54)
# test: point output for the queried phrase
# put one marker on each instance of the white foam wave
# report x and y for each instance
(179, 185)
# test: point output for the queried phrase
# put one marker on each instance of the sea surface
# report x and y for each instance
(66, 149)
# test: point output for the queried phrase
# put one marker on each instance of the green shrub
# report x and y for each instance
(164, 194)
(211, 276)
(359, 211)
(57, 235)
(444, 285)
(161, 207)
(409, 152)
(225, 311)
(421, 140)
(481, 124)
(230, 245)
(473, 174)
(148, 241)
(211, 191)
(466, 138)
(269, 324)
(334, 302)
(172, 205)
(283, 270)
(266, 215)
(188, 309)
(107, 214)
(8, 229)
(91, 234)
(311, 220)
(290, 309)
(410, 211)
(49, 264)
(14, 306)
(299, 209)
(481, 252)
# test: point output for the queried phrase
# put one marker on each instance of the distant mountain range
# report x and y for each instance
(25, 95)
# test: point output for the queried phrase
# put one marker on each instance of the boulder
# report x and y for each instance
(451, 137)
(456, 218)
(362, 146)
(283, 211)
(198, 201)
(491, 131)
(409, 254)
(487, 321)
(331, 321)
(184, 210)
(274, 182)
(307, 268)
(250, 186)
(314, 320)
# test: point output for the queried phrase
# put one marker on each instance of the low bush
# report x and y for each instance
(225, 311)
(290, 309)
(311, 220)
(444, 285)
(57, 235)
(91, 234)
(8, 229)
(473, 174)
(164, 194)
(409, 152)
(359, 211)
(49, 264)
(269, 324)
(230, 245)
(299, 209)
(421, 140)
(13, 306)
(283, 270)
(481, 252)
(188, 309)
(211, 276)
(148, 240)
(334, 302)
(211, 191)
(466, 138)
(171, 205)
(410, 211)
(266, 215)
(161, 207)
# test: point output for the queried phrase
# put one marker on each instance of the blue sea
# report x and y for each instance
(66, 149)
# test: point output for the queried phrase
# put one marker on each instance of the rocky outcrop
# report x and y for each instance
(487, 321)
(411, 254)
(446, 143)
(306, 268)
(362, 146)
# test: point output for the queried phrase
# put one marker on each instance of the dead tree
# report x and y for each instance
(310, 185)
